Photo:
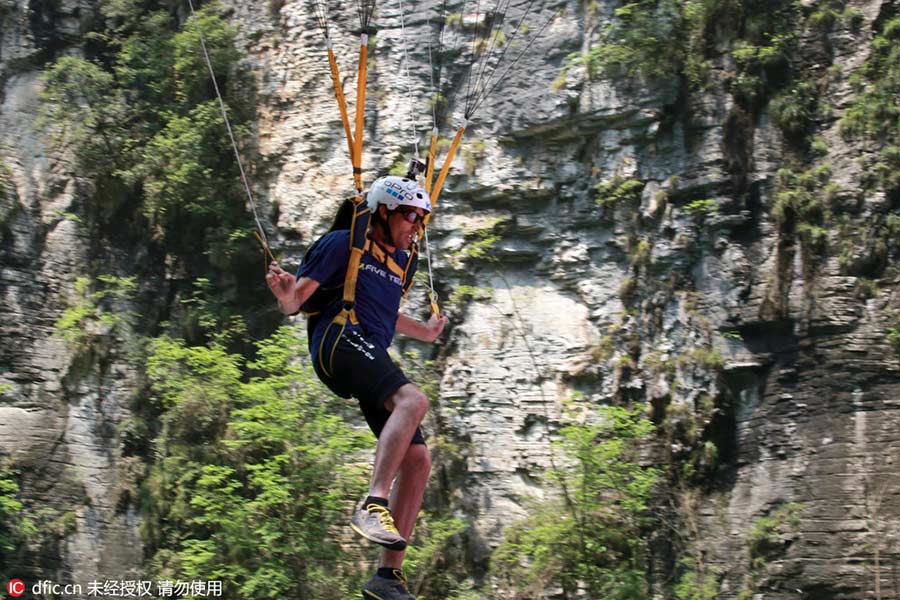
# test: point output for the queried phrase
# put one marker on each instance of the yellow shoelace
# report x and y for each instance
(399, 575)
(384, 517)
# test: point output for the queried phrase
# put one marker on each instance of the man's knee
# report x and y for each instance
(409, 399)
(417, 460)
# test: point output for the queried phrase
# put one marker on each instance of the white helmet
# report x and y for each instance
(392, 191)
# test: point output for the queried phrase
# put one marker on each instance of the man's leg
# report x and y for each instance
(406, 498)
(407, 407)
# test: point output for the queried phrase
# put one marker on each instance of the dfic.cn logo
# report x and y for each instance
(15, 587)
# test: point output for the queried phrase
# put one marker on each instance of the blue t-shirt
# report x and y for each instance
(378, 289)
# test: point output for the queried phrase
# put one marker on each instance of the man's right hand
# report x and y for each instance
(282, 283)
(290, 291)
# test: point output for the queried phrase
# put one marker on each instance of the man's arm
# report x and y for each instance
(290, 291)
(424, 332)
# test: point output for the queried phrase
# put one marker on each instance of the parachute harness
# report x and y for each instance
(361, 214)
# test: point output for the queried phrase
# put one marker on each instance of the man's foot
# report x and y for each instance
(382, 588)
(375, 523)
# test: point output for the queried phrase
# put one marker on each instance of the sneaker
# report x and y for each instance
(375, 523)
(379, 588)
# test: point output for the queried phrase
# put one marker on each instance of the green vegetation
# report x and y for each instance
(472, 154)
(701, 208)
(453, 20)
(875, 115)
(765, 538)
(399, 169)
(479, 244)
(7, 195)
(699, 581)
(619, 191)
(251, 473)
(893, 336)
(594, 534)
(754, 59)
(635, 42)
(5, 180)
(426, 557)
(795, 108)
(640, 253)
(15, 526)
(768, 540)
(659, 38)
(141, 120)
(799, 203)
(703, 356)
(496, 40)
(825, 15)
(95, 310)
(463, 292)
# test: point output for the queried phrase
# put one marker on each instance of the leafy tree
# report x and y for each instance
(142, 121)
(88, 114)
(592, 537)
(15, 526)
(254, 471)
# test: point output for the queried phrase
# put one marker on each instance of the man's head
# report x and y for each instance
(398, 205)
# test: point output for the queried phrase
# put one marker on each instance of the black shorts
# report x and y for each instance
(352, 366)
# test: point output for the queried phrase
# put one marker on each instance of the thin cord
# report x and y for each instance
(430, 275)
(469, 88)
(494, 85)
(492, 37)
(412, 109)
(237, 154)
(321, 13)
(435, 89)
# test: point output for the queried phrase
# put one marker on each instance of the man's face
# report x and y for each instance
(404, 224)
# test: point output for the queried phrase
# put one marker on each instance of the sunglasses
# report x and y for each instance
(410, 215)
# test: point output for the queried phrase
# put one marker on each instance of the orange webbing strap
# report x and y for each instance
(337, 339)
(411, 265)
(436, 190)
(386, 259)
(429, 172)
(341, 100)
(267, 252)
(356, 155)
(358, 245)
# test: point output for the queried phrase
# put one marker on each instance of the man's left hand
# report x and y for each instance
(436, 325)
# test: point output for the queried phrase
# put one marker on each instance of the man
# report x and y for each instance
(353, 361)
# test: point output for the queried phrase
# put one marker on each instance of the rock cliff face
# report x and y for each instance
(60, 411)
(720, 315)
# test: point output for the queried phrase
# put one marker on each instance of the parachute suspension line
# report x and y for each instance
(365, 9)
(435, 100)
(260, 230)
(432, 295)
(321, 14)
(472, 59)
(429, 170)
(493, 36)
(405, 70)
(494, 83)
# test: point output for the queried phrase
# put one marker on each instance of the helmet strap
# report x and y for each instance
(385, 226)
